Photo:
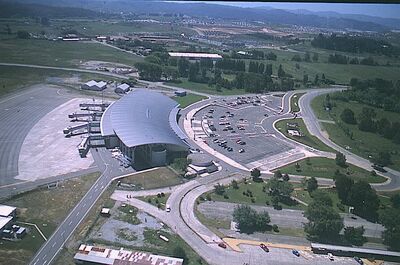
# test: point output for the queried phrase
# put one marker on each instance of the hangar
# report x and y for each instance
(143, 125)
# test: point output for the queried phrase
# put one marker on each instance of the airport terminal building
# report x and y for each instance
(143, 125)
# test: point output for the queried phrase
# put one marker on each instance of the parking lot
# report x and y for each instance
(236, 126)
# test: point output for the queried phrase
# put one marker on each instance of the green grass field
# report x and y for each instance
(42, 207)
(188, 99)
(157, 178)
(364, 144)
(304, 196)
(294, 102)
(307, 139)
(259, 196)
(59, 53)
(13, 78)
(320, 167)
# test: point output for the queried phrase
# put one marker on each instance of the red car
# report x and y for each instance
(264, 247)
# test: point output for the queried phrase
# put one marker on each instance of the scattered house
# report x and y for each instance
(294, 133)
(180, 93)
(94, 85)
(106, 212)
(122, 88)
(99, 255)
(71, 37)
(8, 211)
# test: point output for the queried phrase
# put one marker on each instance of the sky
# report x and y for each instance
(379, 10)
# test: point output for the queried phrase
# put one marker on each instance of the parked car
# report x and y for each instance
(264, 247)
(331, 257)
(296, 253)
(222, 245)
(359, 261)
(241, 150)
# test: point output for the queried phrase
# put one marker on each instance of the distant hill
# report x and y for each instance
(392, 23)
(8, 10)
(272, 16)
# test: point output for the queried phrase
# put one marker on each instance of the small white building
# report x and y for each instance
(122, 88)
(94, 85)
(294, 133)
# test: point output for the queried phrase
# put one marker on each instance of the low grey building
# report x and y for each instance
(94, 85)
(122, 88)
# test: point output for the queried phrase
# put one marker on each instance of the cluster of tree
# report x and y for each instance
(367, 122)
(307, 57)
(260, 68)
(358, 194)
(343, 59)
(390, 218)
(354, 44)
(255, 55)
(280, 189)
(131, 45)
(149, 71)
(325, 223)
(230, 64)
(249, 221)
(377, 92)
(258, 83)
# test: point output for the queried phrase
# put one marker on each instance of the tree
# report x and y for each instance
(278, 174)
(324, 223)
(312, 184)
(22, 34)
(383, 158)
(256, 174)
(280, 189)
(348, 116)
(179, 252)
(248, 220)
(355, 235)
(390, 218)
(296, 58)
(235, 184)
(307, 57)
(364, 200)
(305, 79)
(340, 159)
(286, 177)
(8, 29)
(219, 189)
(343, 186)
(149, 71)
(183, 67)
(395, 199)
(322, 197)
(193, 71)
(281, 72)
(315, 57)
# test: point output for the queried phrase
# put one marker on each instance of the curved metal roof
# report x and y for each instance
(143, 117)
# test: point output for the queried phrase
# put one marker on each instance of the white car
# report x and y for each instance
(331, 257)
(167, 208)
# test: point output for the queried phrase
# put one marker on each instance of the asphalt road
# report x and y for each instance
(18, 114)
(54, 244)
(314, 128)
